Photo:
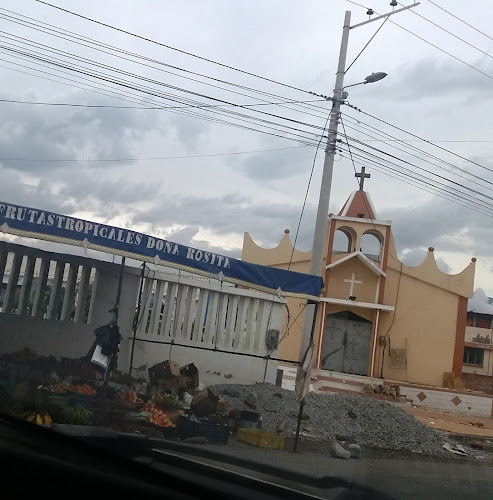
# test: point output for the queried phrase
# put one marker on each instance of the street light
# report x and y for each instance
(374, 77)
(319, 237)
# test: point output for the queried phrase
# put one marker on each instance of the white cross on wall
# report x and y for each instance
(353, 281)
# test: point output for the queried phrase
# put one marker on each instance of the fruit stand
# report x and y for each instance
(47, 391)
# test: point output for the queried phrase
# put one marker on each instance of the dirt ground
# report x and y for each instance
(453, 422)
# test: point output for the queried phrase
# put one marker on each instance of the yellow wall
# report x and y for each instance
(337, 287)
(424, 323)
(425, 319)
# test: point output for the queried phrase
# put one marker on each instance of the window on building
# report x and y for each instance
(473, 356)
(371, 245)
(343, 241)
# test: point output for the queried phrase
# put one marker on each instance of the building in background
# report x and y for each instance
(477, 370)
(378, 317)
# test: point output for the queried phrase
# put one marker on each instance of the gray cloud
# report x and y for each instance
(282, 165)
(444, 225)
(67, 133)
(232, 214)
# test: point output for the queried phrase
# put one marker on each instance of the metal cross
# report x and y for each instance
(362, 176)
(353, 281)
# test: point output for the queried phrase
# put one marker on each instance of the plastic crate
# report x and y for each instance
(193, 427)
(261, 439)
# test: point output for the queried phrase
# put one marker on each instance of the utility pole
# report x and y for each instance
(319, 248)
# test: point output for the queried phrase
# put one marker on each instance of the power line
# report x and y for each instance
(451, 34)
(306, 192)
(433, 140)
(108, 78)
(426, 140)
(95, 45)
(461, 20)
(179, 50)
(398, 168)
(77, 105)
(161, 96)
(101, 160)
(196, 115)
(413, 148)
(421, 168)
(438, 190)
(424, 186)
(126, 84)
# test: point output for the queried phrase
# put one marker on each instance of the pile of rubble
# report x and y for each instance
(391, 391)
(353, 419)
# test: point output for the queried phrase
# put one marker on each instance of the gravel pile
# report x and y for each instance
(358, 419)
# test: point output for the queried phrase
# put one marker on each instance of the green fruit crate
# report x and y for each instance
(260, 439)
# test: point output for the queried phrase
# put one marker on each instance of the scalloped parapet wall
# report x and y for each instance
(277, 256)
(462, 283)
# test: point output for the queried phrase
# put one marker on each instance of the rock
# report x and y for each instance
(281, 427)
(351, 414)
(378, 424)
(252, 400)
(338, 451)
(355, 450)
(476, 445)
(305, 416)
(277, 395)
(229, 391)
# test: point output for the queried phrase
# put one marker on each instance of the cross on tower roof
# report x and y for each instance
(362, 176)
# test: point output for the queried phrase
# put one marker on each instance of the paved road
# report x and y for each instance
(397, 477)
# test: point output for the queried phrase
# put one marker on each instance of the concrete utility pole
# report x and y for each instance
(320, 235)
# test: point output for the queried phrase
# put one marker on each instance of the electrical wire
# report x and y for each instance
(458, 191)
(144, 99)
(440, 49)
(306, 193)
(417, 183)
(451, 34)
(126, 84)
(304, 124)
(115, 51)
(178, 50)
(101, 160)
(461, 20)
(52, 49)
(78, 105)
(413, 148)
(426, 140)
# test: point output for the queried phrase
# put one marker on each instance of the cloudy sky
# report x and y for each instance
(178, 173)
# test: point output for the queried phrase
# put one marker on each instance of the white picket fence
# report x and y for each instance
(196, 312)
(46, 285)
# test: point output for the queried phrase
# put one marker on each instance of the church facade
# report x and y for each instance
(377, 317)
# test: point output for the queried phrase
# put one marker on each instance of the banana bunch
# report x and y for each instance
(77, 415)
(39, 418)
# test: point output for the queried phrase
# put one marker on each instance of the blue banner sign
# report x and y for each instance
(41, 224)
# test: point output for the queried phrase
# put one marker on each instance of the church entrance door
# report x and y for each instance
(346, 345)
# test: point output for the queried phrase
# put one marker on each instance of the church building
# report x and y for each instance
(377, 317)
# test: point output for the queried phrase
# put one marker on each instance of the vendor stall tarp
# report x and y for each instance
(45, 225)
